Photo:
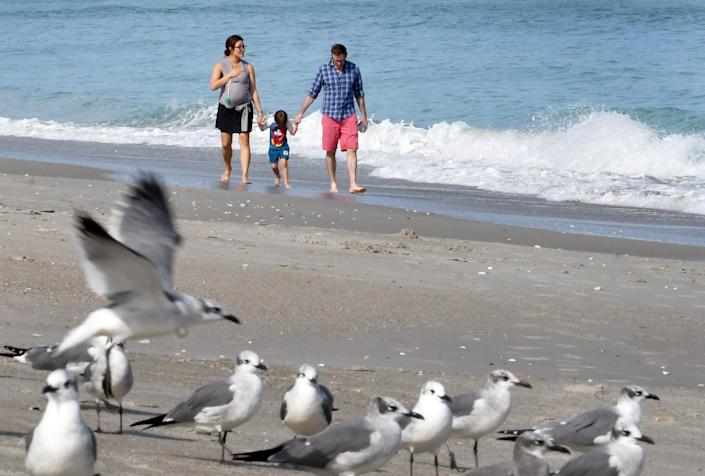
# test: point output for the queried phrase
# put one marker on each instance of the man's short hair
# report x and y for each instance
(338, 49)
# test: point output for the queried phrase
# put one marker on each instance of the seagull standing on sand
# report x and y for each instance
(529, 457)
(350, 449)
(43, 357)
(132, 270)
(61, 444)
(307, 406)
(427, 435)
(109, 376)
(622, 456)
(220, 406)
(477, 414)
(585, 430)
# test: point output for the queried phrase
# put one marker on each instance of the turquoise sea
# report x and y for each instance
(599, 102)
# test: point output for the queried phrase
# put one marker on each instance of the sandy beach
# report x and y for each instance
(381, 299)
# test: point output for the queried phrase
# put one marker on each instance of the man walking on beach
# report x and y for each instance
(341, 81)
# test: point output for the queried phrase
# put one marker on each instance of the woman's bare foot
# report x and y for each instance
(334, 188)
(358, 189)
(245, 180)
(287, 185)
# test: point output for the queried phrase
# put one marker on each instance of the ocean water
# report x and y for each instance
(597, 102)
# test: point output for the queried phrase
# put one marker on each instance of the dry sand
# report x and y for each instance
(382, 309)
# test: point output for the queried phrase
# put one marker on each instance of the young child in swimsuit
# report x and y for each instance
(279, 148)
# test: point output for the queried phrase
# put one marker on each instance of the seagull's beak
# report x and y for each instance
(646, 439)
(414, 415)
(231, 318)
(313, 381)
(446, 398)
(653, 396)
(49, 389)
(522, 383)
(560, 449)
(261, 366)
(508, 438)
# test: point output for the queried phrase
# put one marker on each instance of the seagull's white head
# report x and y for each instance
(388, 408)
(434, 391)
(535, 443)
(637, 394)
(308, 374)
(62, 386)
(248, 361)
(212, 311)
(626, 430)
(504, 379)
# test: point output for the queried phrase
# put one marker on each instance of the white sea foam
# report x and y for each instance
(603, 157)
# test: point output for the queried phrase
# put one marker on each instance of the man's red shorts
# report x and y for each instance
(344, 131)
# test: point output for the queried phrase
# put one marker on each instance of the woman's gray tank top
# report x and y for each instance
(235, 92)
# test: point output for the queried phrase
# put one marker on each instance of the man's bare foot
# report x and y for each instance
(358, 189)
(276, 182)
(333, 188)
(225, 178)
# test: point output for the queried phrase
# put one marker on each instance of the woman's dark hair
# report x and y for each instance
(338, 49)
(280, 117)
(230, 43)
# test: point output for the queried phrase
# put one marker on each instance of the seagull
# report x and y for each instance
(307, 406)
(109, 376)
(61, 444)
(131, 268)
(477, 414)
(621, 456)
(585, 430)
(529, 457)
(350, 449)
(43, 357)
(220, 406)
(427, 435)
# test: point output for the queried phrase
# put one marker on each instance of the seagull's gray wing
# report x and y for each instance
(144, 224)
(506, 468)
(463, 404)
(42, 357)
(322, 448)
(212, 395)
(327, 402)
(594, 463)
(28, 439)
(283, 408)
(94, 445)
(582, 429)
(113, 270)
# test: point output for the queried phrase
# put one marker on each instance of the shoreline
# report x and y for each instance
(342, 212)
(200, 168)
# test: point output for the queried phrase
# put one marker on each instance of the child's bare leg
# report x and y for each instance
(275, 169)
(285, 171)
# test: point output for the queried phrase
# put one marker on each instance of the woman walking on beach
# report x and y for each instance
(238, 90)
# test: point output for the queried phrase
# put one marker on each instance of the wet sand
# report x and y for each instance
(383, 299)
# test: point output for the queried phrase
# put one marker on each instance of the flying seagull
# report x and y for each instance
(131, 268)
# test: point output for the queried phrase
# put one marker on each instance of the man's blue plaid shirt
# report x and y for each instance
(339, 89)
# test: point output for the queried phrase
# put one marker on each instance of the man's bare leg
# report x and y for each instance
(330, 166)
(352, 172)
(245, 156)
(226, 146)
